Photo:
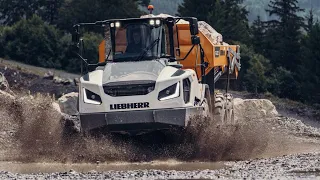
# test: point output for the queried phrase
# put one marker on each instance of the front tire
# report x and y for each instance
(207, 105)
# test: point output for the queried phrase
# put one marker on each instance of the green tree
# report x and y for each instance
(258, 35)
(33, 42)
(50, 10)
(284, 33)
(143, 2)
(255, 78)
(283, 83)
(166, 6)
(14, 10)
(255, 71)
(309, 70)
(235, 25)
(226, 16)
(310, 21)
(71, 62)
(73, 12)
(214, 17)
(1, 41)
(196, 8)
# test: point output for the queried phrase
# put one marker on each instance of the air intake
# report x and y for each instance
(129, 88)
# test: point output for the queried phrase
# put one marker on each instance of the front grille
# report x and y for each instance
(129, 88)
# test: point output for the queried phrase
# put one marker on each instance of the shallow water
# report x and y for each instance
(28, 168)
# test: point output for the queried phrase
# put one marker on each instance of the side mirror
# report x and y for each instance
(194, 30)
(75, 37)
(76, 34)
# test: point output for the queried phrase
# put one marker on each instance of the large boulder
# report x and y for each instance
(57, 80)
(48, 75)
(4, 85)
(68, 103)
(56, 107)
(70, 123)
(253, 109)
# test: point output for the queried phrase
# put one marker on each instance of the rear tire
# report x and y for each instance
(230, 109)
(219, 109)
(223, 109)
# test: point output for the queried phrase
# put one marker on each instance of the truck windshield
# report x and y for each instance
(137, 42)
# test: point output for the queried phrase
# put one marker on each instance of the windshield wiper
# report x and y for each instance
(106, 59)
(148, 49)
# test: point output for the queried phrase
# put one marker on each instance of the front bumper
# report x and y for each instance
(139, 120)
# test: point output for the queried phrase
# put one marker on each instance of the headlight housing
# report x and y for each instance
(186, 90)
(170, 92)
(91, 97)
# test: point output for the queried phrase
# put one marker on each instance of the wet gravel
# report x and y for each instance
(300, 166)
(296, 135)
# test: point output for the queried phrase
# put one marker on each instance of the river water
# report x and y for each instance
(29, 168)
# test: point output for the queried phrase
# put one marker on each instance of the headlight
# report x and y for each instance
(170, 92)
(186, 90)
(91, 97)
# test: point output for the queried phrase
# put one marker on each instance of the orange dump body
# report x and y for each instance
(215, 55)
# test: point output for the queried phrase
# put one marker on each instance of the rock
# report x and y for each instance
(56, 107)
(4, 85)
(57, 80)
(72, 172)
(249, 109)
(67, 81)
(68, 103)
(76, 81)
(48, 75)
(210, 33)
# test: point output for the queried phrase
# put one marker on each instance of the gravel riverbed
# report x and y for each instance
(301, 166)
(264, 145)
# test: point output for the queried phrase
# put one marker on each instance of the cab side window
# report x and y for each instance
(165, 43)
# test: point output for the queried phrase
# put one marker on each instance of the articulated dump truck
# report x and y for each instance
(154, 73)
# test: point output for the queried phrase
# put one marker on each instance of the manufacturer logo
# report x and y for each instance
(130, 106)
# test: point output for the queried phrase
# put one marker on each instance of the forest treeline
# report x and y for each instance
(255, 7)
(280, 56)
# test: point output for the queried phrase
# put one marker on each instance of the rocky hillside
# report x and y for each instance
(25, 78)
